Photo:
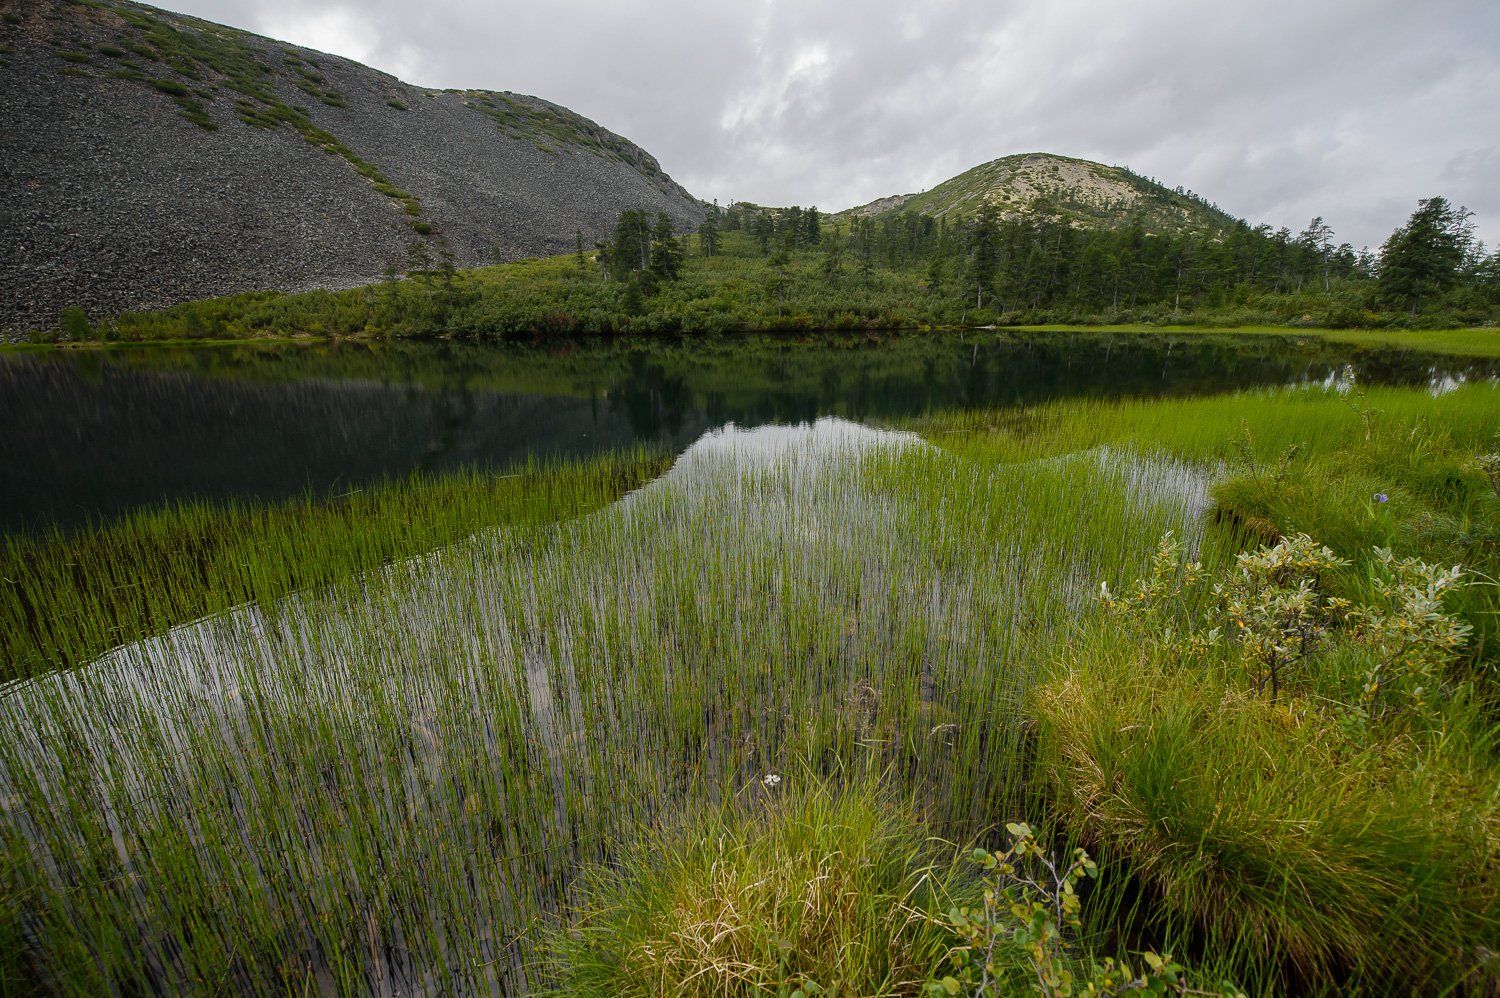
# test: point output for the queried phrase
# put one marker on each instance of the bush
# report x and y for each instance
(1018, 937)
(74, 324)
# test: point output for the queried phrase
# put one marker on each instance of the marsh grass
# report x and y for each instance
(1300, 461)
(799, 884)
(398, 784)
(1270, 838)
(66, 598)
(1261, 834)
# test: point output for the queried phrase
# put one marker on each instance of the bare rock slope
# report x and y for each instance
(150, 158)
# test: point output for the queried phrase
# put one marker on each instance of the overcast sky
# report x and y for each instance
(1277, 110)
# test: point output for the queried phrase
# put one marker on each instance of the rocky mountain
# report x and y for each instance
(1081, 192)
(151, 158)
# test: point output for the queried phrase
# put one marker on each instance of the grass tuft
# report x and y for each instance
(795, 884)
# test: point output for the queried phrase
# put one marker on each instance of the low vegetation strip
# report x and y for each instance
(751, 269)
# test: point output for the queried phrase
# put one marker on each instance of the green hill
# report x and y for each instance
(1083, 193)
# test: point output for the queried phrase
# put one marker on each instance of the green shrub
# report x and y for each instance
(1160, 756)
(1019, 936)
(74, 324)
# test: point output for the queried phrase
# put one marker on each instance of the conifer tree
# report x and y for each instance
(1424, 257)
(708, 232)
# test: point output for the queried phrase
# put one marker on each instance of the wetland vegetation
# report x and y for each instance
(826, 703)
(752, 269)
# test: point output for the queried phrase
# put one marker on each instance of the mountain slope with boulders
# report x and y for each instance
(152, 158)
(1081, 192)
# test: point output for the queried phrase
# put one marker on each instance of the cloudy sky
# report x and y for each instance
(1275, 109)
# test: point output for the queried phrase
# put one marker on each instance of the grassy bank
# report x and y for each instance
(1320, 836)
(448, 777)
(739, 290)
(1473, 342)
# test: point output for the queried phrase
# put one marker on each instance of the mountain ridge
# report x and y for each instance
(154, 158)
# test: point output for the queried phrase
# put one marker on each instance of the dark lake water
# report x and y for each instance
(92, 434)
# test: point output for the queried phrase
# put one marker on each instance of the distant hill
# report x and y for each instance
(151, 158)
(1083, 193)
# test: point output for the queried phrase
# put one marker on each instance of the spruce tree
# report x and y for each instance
(1424, 257)
(666, 253)
(984, 251)
(708, 232)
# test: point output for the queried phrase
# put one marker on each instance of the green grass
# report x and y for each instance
(795, 885)
(1261, 834)
(66, 598)
(1296, 461)
(536, 757)
(1475, 342)
(1265, 835)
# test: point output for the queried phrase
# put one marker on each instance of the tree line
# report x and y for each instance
(753, 268)
(1037, 263)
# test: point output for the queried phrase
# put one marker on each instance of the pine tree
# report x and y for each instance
(1318, 237)
(779, 262)
(628, 250)
(833, 263)
(935, 276)
(419, 262)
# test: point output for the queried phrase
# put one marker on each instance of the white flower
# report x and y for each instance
(771, 780)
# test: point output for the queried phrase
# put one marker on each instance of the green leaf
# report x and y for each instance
(951, 985)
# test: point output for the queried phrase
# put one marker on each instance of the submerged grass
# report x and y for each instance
(398, 785)
(65, 598)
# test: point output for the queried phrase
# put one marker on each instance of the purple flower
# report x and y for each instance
(1382, 497)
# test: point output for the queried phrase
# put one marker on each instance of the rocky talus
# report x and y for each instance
(149, 158)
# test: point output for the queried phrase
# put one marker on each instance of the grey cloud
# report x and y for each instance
(1277, 110)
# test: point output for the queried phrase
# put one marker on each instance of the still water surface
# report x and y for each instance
(93, 434)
